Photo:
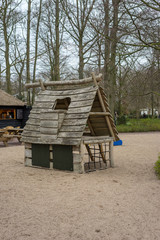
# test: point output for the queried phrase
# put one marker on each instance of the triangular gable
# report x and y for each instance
(100, 120)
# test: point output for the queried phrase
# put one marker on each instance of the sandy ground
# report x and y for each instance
(122, 203)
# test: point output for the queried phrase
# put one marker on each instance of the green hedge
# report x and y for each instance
(140, 125)
(157, 168)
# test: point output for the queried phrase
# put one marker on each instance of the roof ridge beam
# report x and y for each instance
(98, 78)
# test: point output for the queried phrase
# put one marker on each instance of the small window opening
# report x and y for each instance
(62, 104)
(7, 114)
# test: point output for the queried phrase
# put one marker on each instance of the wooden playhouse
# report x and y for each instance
(70, 127)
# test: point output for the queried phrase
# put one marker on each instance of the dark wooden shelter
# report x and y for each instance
(13, 112)
(67, 118)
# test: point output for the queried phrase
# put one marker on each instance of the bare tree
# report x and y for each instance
(36, 47)
(8, 19)
(28, 77)
(78, 15)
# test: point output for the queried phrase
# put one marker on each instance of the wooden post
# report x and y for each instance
(42, 85)
(111, 154)
(89, 152)
(102, 153)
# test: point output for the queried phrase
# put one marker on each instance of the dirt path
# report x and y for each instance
(114, 204)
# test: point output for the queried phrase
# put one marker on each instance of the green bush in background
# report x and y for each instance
(121, 120)
(139, 125)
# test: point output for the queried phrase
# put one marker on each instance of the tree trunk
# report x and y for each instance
(99, 53)
(36, 49)
(28, 51)
(57, 74)
(81, 59)
(113, 70)
(8, 74)
(107, 48)
(0, 76)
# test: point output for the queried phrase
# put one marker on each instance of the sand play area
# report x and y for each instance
(121, 203)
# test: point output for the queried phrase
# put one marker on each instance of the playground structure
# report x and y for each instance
(68, 118)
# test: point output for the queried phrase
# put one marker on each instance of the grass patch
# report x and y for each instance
(140, 125)
(157, 168)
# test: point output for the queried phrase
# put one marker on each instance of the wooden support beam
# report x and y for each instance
(99, 114)
(89, 152)
(42, 85)
(102, 153)
(111, 154)
(90, 127)
(97, 141)
(64, 83)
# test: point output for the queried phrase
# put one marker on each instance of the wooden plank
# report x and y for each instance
(44, 105)
(98, 124)
(69, 92)
(69, 141)
(96, 105)
(72, 128)
(32, 127)
(74, 122)
(96, 109)
(64, 94)
(70, 134)
(90, 127)
(70, 87)
(50, 100)
(11, 136)
(31, 134)
(92, 142)
(111, 154)
(96, 139)
(79, 110)
(102, 152)
(34, 115)
(52, 140)
(99, 132)
(97, 119)
(35, 111)
(99, 113)
(48, 131)
(31, 139)
(100, 128)
(45, 138)
(33, 121)
(77, 116)
(89, 152)
(49, 124)
(82, 103)
(49, 116)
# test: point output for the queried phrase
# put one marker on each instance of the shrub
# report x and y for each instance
(157, 168)
(121, 120)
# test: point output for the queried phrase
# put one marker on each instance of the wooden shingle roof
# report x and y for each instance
(50, 125)
(9, 100)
